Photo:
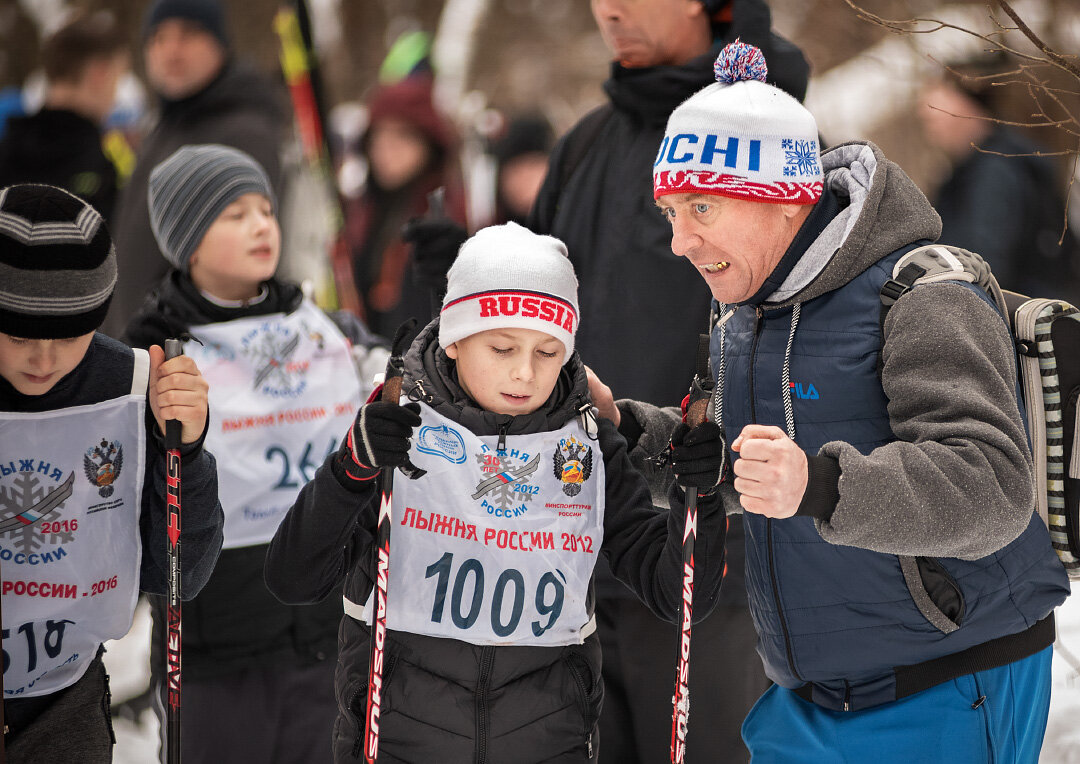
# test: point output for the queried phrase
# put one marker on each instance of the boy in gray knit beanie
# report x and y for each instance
(190, 191)
(284, 384)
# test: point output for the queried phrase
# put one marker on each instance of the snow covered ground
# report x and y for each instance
(1062, 745)
(136, 743)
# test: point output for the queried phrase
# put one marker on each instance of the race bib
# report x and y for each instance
(496, 547)
(70, 492)
(283, 391)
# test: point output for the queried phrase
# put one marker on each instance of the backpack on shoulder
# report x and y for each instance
(1046, 333)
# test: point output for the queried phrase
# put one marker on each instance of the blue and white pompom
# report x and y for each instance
(740, 61)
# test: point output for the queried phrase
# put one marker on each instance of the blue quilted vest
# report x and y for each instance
(837, 621)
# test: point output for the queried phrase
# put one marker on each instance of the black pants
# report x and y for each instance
(272, 714)
(726, 679)
(72, 725)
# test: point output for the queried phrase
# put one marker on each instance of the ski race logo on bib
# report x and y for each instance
(102, 464)
(271, 347)
(573, 464)
(505, 489)
(442, 441)
(32, 497)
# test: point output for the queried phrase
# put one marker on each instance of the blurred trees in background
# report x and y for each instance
(547, 55)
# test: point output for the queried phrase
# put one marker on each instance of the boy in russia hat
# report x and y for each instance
(516, 488)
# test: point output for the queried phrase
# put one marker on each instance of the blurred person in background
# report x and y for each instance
(598, 199)
(521, 160)
(61, 144)
(206, 96)
(411, 150)
(1000, 198)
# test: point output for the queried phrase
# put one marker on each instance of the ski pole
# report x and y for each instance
(696, 412)
(3, 722)
(436, 200)
(391, 392)
(173, 348)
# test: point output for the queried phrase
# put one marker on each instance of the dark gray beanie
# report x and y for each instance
(57, 264)
(192, 187)
(206, 13)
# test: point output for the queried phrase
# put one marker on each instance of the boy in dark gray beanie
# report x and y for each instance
(284, 383)
(82, 475)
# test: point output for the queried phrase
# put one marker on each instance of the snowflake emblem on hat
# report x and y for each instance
(800, 157)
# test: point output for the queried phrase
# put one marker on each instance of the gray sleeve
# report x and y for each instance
(959, 480)
(656, 424)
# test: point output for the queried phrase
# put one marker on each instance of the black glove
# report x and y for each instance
(378, 438)
(697, 456)
(435, 245)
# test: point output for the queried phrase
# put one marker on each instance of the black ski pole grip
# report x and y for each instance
(173, 348)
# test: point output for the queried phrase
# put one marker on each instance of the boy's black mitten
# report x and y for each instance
(697, 456)
(435, 245)
(378, 438)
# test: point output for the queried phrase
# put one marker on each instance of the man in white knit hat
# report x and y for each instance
(901, 584)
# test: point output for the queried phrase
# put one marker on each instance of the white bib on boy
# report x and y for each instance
(283, 391)
(495, 548)
(70, 498)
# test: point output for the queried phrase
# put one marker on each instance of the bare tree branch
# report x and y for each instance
(1051, 54)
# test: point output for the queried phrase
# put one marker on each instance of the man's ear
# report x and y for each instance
(797, 211)
(695, 9)
(451, 351)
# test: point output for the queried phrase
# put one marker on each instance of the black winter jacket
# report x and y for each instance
(105, 373)
(634, 293)
(1016, 233)
(235, 622)
(240, 109)
(61, 148)
(451, 701)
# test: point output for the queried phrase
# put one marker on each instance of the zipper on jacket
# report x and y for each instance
(358, 743)
(504, 421)
(362, 690)
(580, 682)
(776, 599)
(847, 695)
(106, 706)
(419, 393)
(759, 321)
(487, 657)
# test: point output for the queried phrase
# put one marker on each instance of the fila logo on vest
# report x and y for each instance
(521, 303)
(804, 392)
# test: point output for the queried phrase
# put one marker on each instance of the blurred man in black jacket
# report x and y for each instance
(598, 199)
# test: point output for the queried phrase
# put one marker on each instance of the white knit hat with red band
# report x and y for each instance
(740, 138)
(506, 276)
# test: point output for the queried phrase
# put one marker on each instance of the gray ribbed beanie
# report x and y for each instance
(57, 264)
(191, 188)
